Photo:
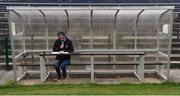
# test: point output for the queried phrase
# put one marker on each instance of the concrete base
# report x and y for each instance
(110, 79)
(101, 79)
(7, 76)
(175, 75)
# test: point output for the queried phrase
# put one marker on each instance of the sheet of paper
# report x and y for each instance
(61, 52)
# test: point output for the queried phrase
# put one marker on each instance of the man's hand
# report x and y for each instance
(62, 46)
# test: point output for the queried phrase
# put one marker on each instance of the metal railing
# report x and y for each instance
(5, 52)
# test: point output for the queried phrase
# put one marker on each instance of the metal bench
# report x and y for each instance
(98, 71)
(139, 73)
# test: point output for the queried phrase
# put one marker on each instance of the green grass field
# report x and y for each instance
(165, 88)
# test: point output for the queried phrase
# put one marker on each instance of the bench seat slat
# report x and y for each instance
(98, 63)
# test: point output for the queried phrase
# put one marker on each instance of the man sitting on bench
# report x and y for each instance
(65, 45)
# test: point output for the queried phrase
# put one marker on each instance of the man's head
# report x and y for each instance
(61, 35)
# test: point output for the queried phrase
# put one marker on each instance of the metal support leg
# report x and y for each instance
(42, 68)
(138, 73)
(157, 68)
(135, 66)
(162, 68)
(25, 67)
(92, 69)
(141, 68)
(135, 69)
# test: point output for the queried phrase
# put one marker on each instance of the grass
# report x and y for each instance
(166, 88)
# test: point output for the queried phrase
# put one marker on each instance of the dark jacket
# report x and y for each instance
(68, 47)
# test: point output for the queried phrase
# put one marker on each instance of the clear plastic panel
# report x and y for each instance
(102, 33)
(164, 34)
(34, 29)
(56, 22)
(125, 32)
(79, 32)
(80, 28)
(16, 19)
(17, 33)
(102, 25)
(147, 35)
(18, 44)
(147, 32)
(125, 29)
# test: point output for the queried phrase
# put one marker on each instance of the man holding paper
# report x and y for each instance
(62, 45)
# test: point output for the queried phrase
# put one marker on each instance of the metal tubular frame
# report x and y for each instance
(135, 29)
(114, 36)
(12, 48)
(158, 66)
(92, 41)
(46, 29)
(46, 32)
(96, 8)
(170, 41)
(91, 29)
(135, 41)
(92, 4)
(67, 14)
(114, 30)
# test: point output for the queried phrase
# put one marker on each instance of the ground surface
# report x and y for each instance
(149, 78)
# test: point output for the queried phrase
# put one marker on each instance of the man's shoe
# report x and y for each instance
(58, 79)
(64, 80)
